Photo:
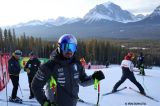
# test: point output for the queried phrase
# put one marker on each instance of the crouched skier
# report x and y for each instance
(127, 73)
(67, 72)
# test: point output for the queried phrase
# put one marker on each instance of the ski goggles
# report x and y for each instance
(68, 47)
(18, 54)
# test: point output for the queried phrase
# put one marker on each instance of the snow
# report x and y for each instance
(107, 4)
(95, 16)
(57, 22)
(109, 11)
(113, 74)
(157, 11)
(136, 48)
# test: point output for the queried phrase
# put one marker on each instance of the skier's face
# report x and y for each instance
(17, 57)
(68, 54)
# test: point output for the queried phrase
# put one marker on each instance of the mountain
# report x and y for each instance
(106, 20)
(62, 20)
(30, 23)
(109, 11)
(59, 21)
(153, 18)
(156, 12)
(140, 17)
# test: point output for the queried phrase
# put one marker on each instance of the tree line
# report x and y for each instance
(97, 51)
(9, 42)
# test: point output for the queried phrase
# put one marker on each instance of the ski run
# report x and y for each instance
(89, 95)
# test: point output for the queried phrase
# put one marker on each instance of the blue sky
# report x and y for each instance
(17, 11)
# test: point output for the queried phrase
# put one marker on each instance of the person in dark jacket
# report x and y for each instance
(66, 73)
(31, 68)
(140, 63)
(127, 69)
(14, 71)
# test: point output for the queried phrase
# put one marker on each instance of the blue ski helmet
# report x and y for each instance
(67, 43)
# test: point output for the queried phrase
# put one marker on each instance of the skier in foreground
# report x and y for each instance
(127, 69)
(66, 71)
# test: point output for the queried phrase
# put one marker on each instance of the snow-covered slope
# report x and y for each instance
(153, 18)
(63, 20)
(156, 12)
(113, 74)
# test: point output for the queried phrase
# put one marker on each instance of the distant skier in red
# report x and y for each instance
(83, 62)
(127, 72)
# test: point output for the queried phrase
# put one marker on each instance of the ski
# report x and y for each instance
(87, 103)
(23, 103)
(144, 95)
(114, 92)
(25, 89)
(31, 101)
(144, 75)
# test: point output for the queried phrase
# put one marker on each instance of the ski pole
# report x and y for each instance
(98, 94)
(97, 84)
(20, 90)
(6, 95)
(6, 88)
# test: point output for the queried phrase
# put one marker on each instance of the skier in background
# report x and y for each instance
(107, 63)
(14, 71)
(89, 65)
(127, 73)
(31, 68)
(83, 62)
(140, 63)
(66, 73)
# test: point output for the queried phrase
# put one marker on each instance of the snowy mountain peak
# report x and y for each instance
(156, 11)
(154, 17)
(49, 22)
(63, 20)
(35, 22)
(107, 3)
(110, 5)
(108, 11)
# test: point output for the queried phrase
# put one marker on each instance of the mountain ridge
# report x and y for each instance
(147, 28)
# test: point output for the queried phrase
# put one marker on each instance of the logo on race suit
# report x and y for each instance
(76, 74)
(61, 77)
(75, 67)
(60, 72)
(29, 65)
